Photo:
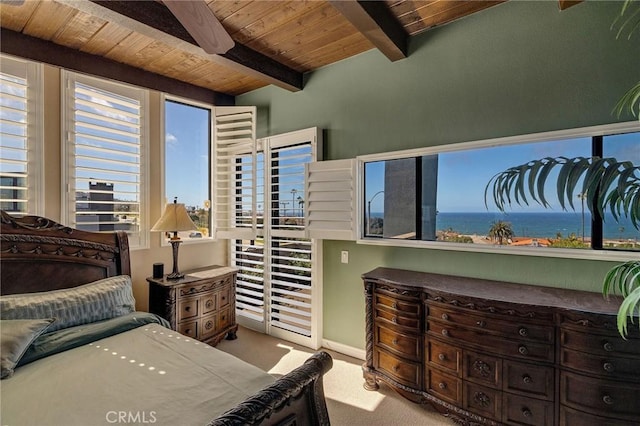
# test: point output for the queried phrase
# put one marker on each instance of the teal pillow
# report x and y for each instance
(15, 337)
(104, 299)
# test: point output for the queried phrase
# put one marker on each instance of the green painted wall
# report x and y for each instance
(516, 68)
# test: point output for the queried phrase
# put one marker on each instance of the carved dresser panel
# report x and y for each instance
(488, 352)
(200, 305)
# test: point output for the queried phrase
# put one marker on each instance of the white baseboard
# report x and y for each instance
(344, 349)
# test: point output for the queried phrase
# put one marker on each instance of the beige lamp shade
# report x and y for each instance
(174, 218)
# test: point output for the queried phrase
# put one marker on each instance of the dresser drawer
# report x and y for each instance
(599, 344)
(393, 318)
(571, 417)
(528, 379)
(189, 328)
(606, 366)
(484, 369)
(405, 372)
(208, 326)
(405, 345)
(445, 356)
(482, 400)
(400, 306)
(507, 327)
(444, 386)
(187, 308)
(520, 410)
(495, 344)
(601, 397)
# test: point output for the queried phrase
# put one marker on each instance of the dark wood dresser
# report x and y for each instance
(200, 305)
(492, 353)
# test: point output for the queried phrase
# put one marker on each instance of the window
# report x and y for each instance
(105, 125)
(438, 195)
(21, 121)
(187, 159)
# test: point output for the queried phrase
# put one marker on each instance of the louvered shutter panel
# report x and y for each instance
(331, 200)
(235, 172)
(105, 126)
(20, 146)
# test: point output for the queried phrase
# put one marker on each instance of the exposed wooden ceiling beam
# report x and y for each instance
(154, 20)
(565, 4)
(18, 44)
(374, 20)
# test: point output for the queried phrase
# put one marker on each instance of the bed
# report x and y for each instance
(75, 351)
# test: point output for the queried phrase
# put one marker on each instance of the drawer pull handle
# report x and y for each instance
(442, 385)
(187, 308)
(209, 303)
(442, 357)
(523, 350)
(481, 323)
(394, 341)
(394, 305)
(523, 331)
(187, 331)
(608, 367)
(526, 412)
(445, 332)
(395, 368)
(527, 379)
(607, 399)
(394, 320)
(445, 317)
(608, 346)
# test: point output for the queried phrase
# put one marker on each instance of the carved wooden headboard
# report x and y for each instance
(38, 254)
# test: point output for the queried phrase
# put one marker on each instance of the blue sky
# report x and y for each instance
(462, 176)
(186, 154)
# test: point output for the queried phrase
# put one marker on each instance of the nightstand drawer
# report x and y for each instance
(187, 308)
(189, 328)
(224, 318)
(208, 326)
(209, 303)
(224, 297)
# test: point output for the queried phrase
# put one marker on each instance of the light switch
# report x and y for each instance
(344, 256)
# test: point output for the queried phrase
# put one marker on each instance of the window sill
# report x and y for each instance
(604, 255)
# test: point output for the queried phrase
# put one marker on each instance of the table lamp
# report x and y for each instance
(174, 219)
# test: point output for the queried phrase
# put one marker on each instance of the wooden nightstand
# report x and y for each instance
(201, 305)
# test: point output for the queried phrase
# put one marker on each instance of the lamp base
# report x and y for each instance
(175, 274)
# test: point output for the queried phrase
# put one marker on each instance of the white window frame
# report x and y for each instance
(139, 240)
(496, 249)
(167, 97)
(33, 73)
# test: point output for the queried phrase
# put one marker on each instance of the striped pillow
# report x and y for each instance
(107, 298)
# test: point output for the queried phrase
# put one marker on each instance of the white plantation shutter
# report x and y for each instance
(105, 127)
(235, 169)
(330, 198)
(290, 250)
(21, 136)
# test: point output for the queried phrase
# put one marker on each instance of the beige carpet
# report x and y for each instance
(347, 401)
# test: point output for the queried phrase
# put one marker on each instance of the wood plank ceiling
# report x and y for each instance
(276, 41)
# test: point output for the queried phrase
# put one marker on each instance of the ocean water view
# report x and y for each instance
(539, 225)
